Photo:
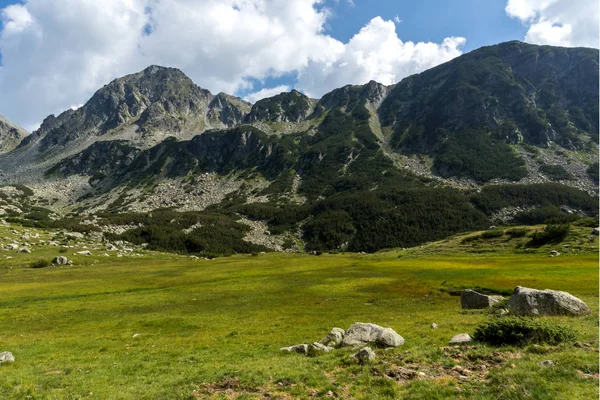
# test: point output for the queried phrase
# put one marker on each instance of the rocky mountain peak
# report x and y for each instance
(291, 106)
(10, 135)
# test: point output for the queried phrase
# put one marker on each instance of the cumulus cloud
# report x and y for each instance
(558, 22)
(266, 92)
(376, 53)
(56, 53)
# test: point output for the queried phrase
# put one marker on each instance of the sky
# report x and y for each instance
(54, 54)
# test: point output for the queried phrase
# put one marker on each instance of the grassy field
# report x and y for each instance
(213, 329)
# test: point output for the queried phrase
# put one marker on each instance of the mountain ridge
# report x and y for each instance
(511, 114)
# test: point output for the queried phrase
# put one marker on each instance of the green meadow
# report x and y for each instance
(213, 328)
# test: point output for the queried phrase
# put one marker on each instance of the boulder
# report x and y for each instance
(299, 348)
(84, 253)
(334, 338)
(25, 250)
(470, 299)
(6, 357)
(364, 355)
(596, 231)
(74, 235)
(526, 301)
(316, 349)
(60, 260)
(12, 246)
(461, 339)
(361, 333)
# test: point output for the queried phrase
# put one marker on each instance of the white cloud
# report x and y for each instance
(376, 53)
(266, 92)
(558, 22)
(397, 19)
(57, 53)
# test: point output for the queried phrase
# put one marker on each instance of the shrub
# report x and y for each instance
(550, 234)
(491, 234)
(40, 264)
(556, 172)
(63, 250)
(588, 222)
(521, 331)
(517, 232)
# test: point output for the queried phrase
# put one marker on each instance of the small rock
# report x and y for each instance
(25, 250)
(433, 325)
(364, 355)
(299, 348)
(316, 349)
(461, 339)
(136, 335)
(334, 338)
(84, 253)
(6, 357)
(60, 260)
(596, 231)
(547, 363)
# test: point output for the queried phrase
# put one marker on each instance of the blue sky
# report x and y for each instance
(482, 22)
(56, 53)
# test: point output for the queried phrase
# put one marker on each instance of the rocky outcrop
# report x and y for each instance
(471, 299)
(361, 333)
(530, 302)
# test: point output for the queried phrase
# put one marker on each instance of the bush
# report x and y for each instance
(521, 331)
(517, 232)
(40, 264)
(556, 172)
(550, 234)
(491, 234)
(588, 222)
(63, 250)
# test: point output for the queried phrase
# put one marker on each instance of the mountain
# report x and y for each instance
(10, 135)
(504, 133)
(143, 108)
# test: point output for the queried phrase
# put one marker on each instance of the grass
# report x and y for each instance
(213, 329)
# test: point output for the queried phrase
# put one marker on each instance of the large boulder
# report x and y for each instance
(334, 338)
(361, 333)
(470, 299)
(526, 301)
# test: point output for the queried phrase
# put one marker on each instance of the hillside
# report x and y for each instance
(482, 140)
